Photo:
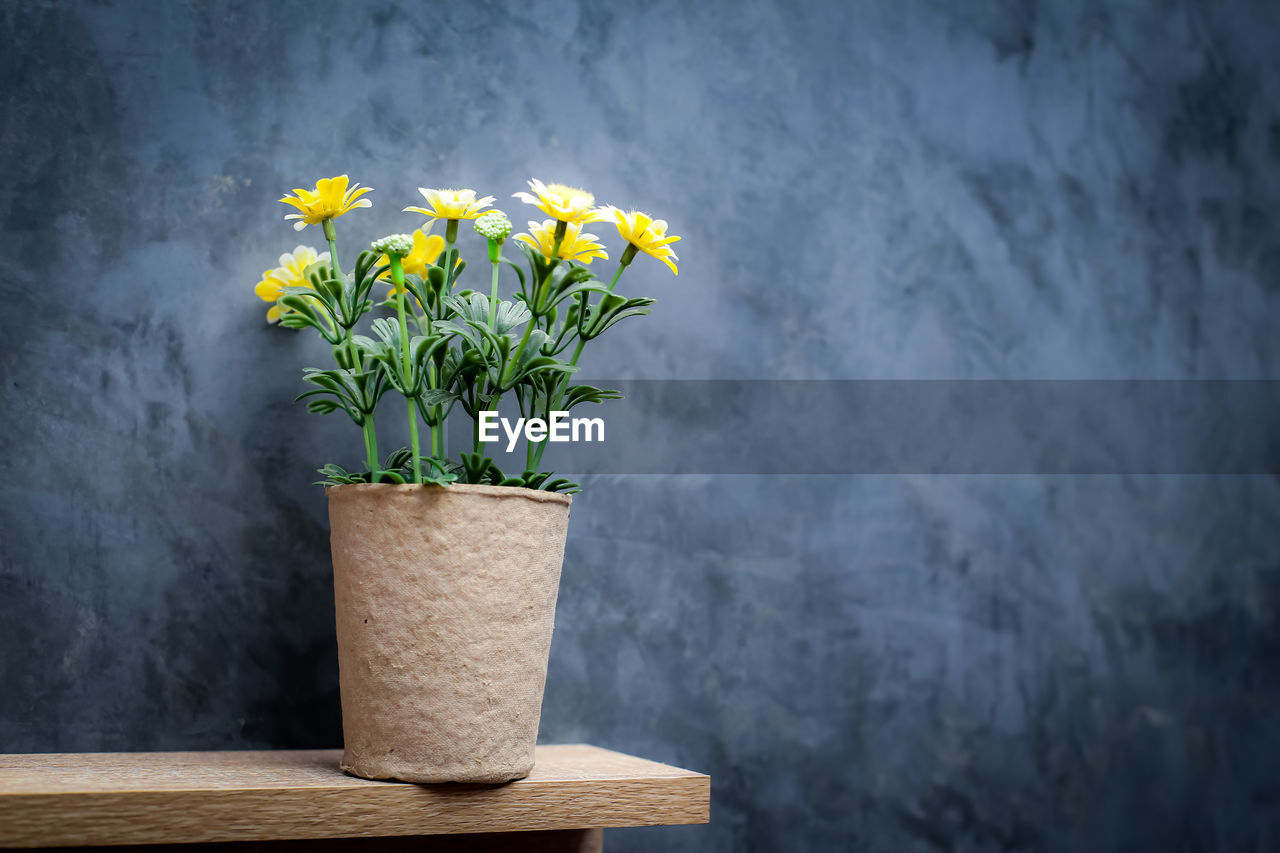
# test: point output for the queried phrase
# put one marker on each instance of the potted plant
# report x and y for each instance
(446, 570)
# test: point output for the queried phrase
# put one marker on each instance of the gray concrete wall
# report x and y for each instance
(887, 190)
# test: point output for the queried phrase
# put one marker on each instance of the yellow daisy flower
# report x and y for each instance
(329, 200)
(292, 272)
(645, 233)
(451, 204)
(575, 246)
(564, 204)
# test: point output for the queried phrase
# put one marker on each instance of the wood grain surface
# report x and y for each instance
(551, 841)
(58, 800)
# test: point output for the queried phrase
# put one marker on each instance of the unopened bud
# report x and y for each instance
(495, 225)
(394, 244)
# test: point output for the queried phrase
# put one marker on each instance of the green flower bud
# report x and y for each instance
(495, 225)
(394, 244)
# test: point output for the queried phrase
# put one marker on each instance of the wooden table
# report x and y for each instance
(299, 800)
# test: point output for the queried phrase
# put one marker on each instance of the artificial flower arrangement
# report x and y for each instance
(445, 597)
(439, 347)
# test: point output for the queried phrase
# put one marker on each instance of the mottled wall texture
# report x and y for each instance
(867, 190)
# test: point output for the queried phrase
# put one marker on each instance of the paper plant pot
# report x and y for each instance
(445, 601)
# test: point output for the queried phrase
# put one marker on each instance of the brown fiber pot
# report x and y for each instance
(445, 599)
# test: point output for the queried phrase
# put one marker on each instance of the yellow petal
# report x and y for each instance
(267, 290)
(431, 248)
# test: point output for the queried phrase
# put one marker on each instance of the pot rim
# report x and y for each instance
(354, 490)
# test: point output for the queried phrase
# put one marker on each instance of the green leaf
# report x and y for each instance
(470, 306)
(364, 264)
(478, 469)
(294, 321)
(438, 397)
(473, 333)
(439, 472)
(337, 476)
(565, 281)
(510, 315)
(360, 391)
(341, 354)
(330, 287)
(298, 304)
(322, 407)
(418, 288)
(397, 459)
(587, 394)
(538, 265)
(611, 310)
(457, 271)
(475, 310)
(533, 480)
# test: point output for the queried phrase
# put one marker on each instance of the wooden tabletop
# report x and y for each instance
(53, 800)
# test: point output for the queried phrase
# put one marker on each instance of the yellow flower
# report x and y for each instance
(329, 200)
(426, 248)
(451, 204)
(292, 272)
(564, 204)
(646, 234)
(575, 246)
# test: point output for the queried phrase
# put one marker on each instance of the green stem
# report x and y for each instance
(332, 236)
(563, 385)
(493, 296)
(524, 339)
(397, 278)
(533, 455)
(371, 447)
(413, 440)
(493, 326)
(561, 229)
(533, 460)
(628, 255)
(450, 239)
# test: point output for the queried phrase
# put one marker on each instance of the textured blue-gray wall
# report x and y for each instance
(876, 189)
